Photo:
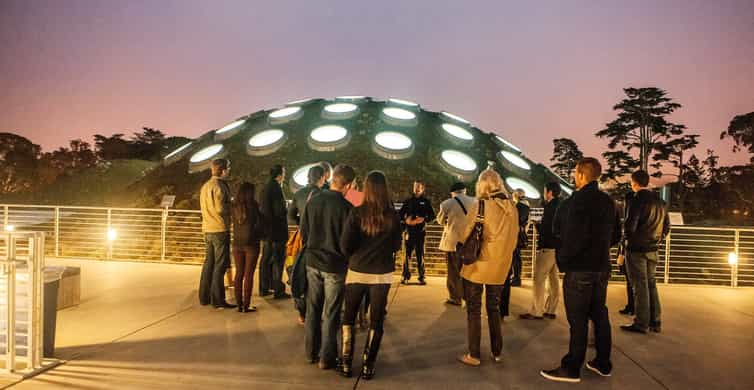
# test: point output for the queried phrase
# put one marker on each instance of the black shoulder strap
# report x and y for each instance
(480, 213)
(461, 204)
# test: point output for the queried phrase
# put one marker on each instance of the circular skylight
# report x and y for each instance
(403, 102)
(455, 117)
(301, 175)
(393, 140)
(566, 189)
(285, 112)
(206, 153)
(398, 113)
(329, 133)
(341, 108)
(515, 183)
(505, 142)
(230, 126)
(351, 97)
(459, 160)
(457, 131)
(515, 160)
(266, 138)
(178, 151)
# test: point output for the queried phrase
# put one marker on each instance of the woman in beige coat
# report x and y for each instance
(488, 273)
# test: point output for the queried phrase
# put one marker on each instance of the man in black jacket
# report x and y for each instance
(646, 225)
(587, 225)
(322, 226)
(415, 213)
(273, 212)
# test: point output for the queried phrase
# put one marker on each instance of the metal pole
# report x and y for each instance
(5, 216)
(10, 334)
(107, 234)
(533, 251)
(163, 233)
(734, 270)
(57, 231)
(667, 257)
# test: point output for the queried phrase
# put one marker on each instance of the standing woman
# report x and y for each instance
(489, 272)
(370, 239)
(246, 236)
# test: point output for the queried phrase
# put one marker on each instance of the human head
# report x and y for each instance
(220, 167)
(552, 190)
(327, 169)
(419, 188)
(342, 177)
(457, 188)
(375, 190)
(639, 180)
(316, 176)
(588, 170)
(277, 172)
(245, 193)
(489, 182)
(518, 194)
(374, 210)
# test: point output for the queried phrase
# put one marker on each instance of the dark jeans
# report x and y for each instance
(415, 242)
(505, 296)
(516, 267)
(585, 294)
(324, 299)
(454, 281)
(641, 271)
(298, 303)
(245, 259)
(216, 261)
(629, 288)
(271, 267)
(473, 296)
(356, 293)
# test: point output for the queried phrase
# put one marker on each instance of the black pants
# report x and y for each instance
(271, 267)
(473, 296)
(454, 281)
(415, 242)
(585, 294)
(629, 288)
(516, 267)
(216, 261)
(505, 296)
(377, 293)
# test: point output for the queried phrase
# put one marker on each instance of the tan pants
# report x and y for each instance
(545, 268)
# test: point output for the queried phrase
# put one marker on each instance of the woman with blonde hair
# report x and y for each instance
(488, 273)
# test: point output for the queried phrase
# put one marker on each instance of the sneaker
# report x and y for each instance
(527, 316)
(601, 371)
(627, 311)
(452, 302)
(551, 316)
(497, 359)
(422, 282)
(225, 305)
(633, 328)
(560, 375)
(404, 281)
(468, 360)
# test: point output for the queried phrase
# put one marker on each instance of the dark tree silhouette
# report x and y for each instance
(741, 129)
(18, 163)
(565, 155)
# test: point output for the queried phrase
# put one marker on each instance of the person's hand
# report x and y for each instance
(620, 260)
(418, 220)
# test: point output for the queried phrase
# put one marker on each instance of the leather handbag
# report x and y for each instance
(470, 250)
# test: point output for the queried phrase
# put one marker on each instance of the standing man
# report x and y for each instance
(545, 267)
(415, 212)
(273, 212)
(587, 224)
(321, 228)
(214, 200)
(453, 218)
(646, 225)
(523, 219)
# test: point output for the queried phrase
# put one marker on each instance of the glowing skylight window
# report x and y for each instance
(393, 140)
(329, 133)
(398, 113)
(266, 138)
(178, 151)
(455, 117)
(351, 97)
(510, 145)
(515, 183)
(403, 102)
(566, 189)
(206, 153)
(301, 176)
(515, 160)
(285, 112)
(457, 131)
(459, 160)
(341, 108)
(230, 126)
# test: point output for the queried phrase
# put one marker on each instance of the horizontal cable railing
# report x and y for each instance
(690, 254)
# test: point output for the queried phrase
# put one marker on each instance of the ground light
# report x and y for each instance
(112, 234)
(286, 114)
(340, 111)
(206, 153)
(515, 183)
(458, 163)
(266, 142)
(732, 258)
(399, 113)
(10, 228)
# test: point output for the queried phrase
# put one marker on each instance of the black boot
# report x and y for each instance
(346, 358)
(370, 353)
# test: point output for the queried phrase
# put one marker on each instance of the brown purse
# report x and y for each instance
(470, 250)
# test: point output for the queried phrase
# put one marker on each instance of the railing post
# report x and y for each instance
(107, 234)
(667, 257)
(163, 233)
(734, 267)
(10, 318)
(57, 231)
(5, 216)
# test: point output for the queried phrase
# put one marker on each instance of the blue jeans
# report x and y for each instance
(324, 299)
(216, 261)
(271, 268)
(641, 272)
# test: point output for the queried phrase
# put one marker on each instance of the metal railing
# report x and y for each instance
(692, 255)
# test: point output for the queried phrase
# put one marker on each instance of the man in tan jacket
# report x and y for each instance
(453, 216)
(214, 199)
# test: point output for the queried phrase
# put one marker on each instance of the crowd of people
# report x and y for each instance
(343, 256)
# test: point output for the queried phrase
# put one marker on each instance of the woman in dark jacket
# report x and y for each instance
(246, 237)
(370, 239)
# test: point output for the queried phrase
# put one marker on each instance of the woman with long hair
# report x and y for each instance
(488, 273)
(247, 226)
(370, 239)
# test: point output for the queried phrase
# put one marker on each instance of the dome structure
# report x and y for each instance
(396, 136)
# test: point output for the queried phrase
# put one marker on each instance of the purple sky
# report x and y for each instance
(531, 72)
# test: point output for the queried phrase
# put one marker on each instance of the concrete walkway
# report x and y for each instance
(139, 326)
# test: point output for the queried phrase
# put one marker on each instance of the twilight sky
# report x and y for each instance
(531, 72)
